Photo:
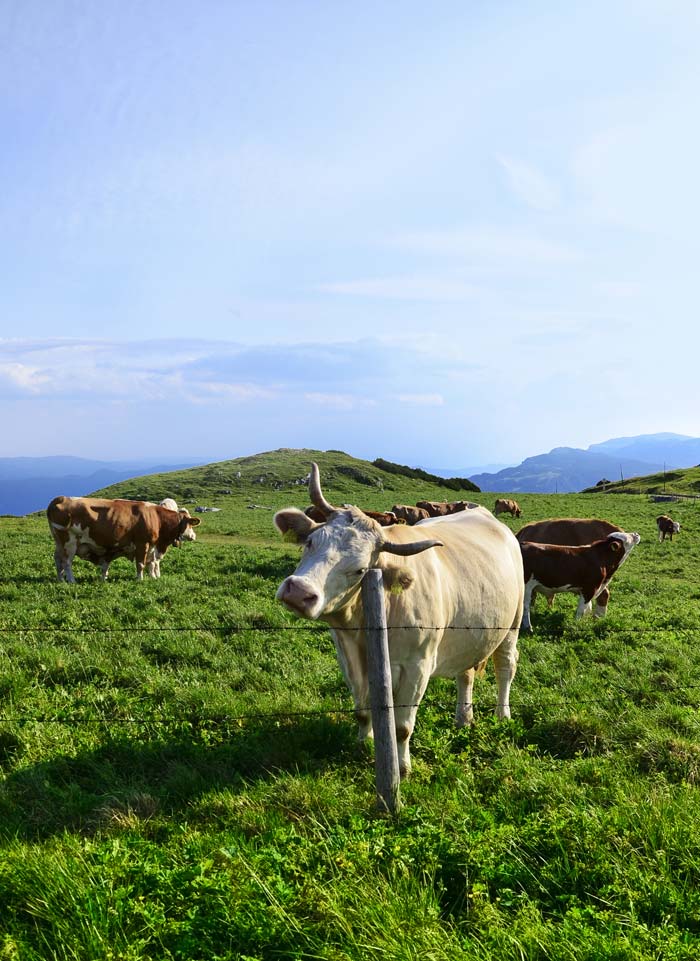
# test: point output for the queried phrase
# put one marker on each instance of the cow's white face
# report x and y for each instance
(626, 541)
(188, 534)
(336, 556)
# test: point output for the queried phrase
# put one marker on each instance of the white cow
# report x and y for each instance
(453, 600)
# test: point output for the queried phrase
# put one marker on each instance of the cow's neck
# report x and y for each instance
(350, 616)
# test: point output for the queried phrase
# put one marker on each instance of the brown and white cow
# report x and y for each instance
(570, 531)
(409, 513)
(505, 506)
(100, 530)
(453, 599)
(667, 527)
(584, 570)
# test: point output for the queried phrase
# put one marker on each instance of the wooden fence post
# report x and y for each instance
(386, 758)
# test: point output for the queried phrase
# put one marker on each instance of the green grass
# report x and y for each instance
(179, 776)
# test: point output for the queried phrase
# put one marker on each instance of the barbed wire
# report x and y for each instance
(322, 629)
(620, 698)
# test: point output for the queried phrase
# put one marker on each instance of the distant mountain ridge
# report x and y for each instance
(28, 483)
(569, 469)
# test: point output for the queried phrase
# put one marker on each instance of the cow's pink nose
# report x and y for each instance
(297, 595)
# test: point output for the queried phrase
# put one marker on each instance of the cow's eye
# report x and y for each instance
(360, 570)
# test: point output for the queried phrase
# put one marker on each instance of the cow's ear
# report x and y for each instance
(396, 579)
(615, 545)
(194, 521)
(294, 524)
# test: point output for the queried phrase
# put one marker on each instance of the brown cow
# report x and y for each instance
(504, 506)
(434, 508)
(100, 530)
(383, 518)
(410, 514)
(584, 570)
(570, 531)
(667, 527)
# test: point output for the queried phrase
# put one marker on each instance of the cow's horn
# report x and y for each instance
(405, 550)
(315, 493)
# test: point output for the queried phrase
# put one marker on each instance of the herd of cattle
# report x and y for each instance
(456, 596)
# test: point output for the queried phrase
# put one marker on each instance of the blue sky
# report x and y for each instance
(448, 234)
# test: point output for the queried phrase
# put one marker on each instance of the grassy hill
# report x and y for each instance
(682, 481)
(250, 488)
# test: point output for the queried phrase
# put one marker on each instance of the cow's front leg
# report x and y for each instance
(409, 687)
(465, 691)
(585, 605)
(505, 662)
(352, 657)
(59, 561)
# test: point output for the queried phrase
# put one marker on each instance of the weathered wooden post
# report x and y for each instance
(386, 758)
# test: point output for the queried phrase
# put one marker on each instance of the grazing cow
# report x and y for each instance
(667, 527)
(434, 508)
(453, 599)
(454, 507)
(385, 518)
(410, 514)
(443, 508)
(573, 531)
(584, 570)
(505, 506)
(100, 530)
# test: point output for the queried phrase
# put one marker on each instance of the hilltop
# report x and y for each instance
(262, 479)
(685, 481)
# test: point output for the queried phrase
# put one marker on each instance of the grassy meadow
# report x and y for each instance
(180, 778)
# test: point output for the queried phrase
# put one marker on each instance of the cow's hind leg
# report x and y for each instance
(141, 557)
(505, 661)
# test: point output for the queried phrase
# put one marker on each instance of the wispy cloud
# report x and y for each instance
(408, 287)
(528, 184)
(345, 402)
(340, 375)
(422, 400)
(501, 246)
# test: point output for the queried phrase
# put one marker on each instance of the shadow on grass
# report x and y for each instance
(70, 792)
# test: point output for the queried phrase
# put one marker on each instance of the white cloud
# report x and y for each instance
(25, 379)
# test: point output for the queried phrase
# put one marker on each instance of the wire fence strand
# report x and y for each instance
(619, 697)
